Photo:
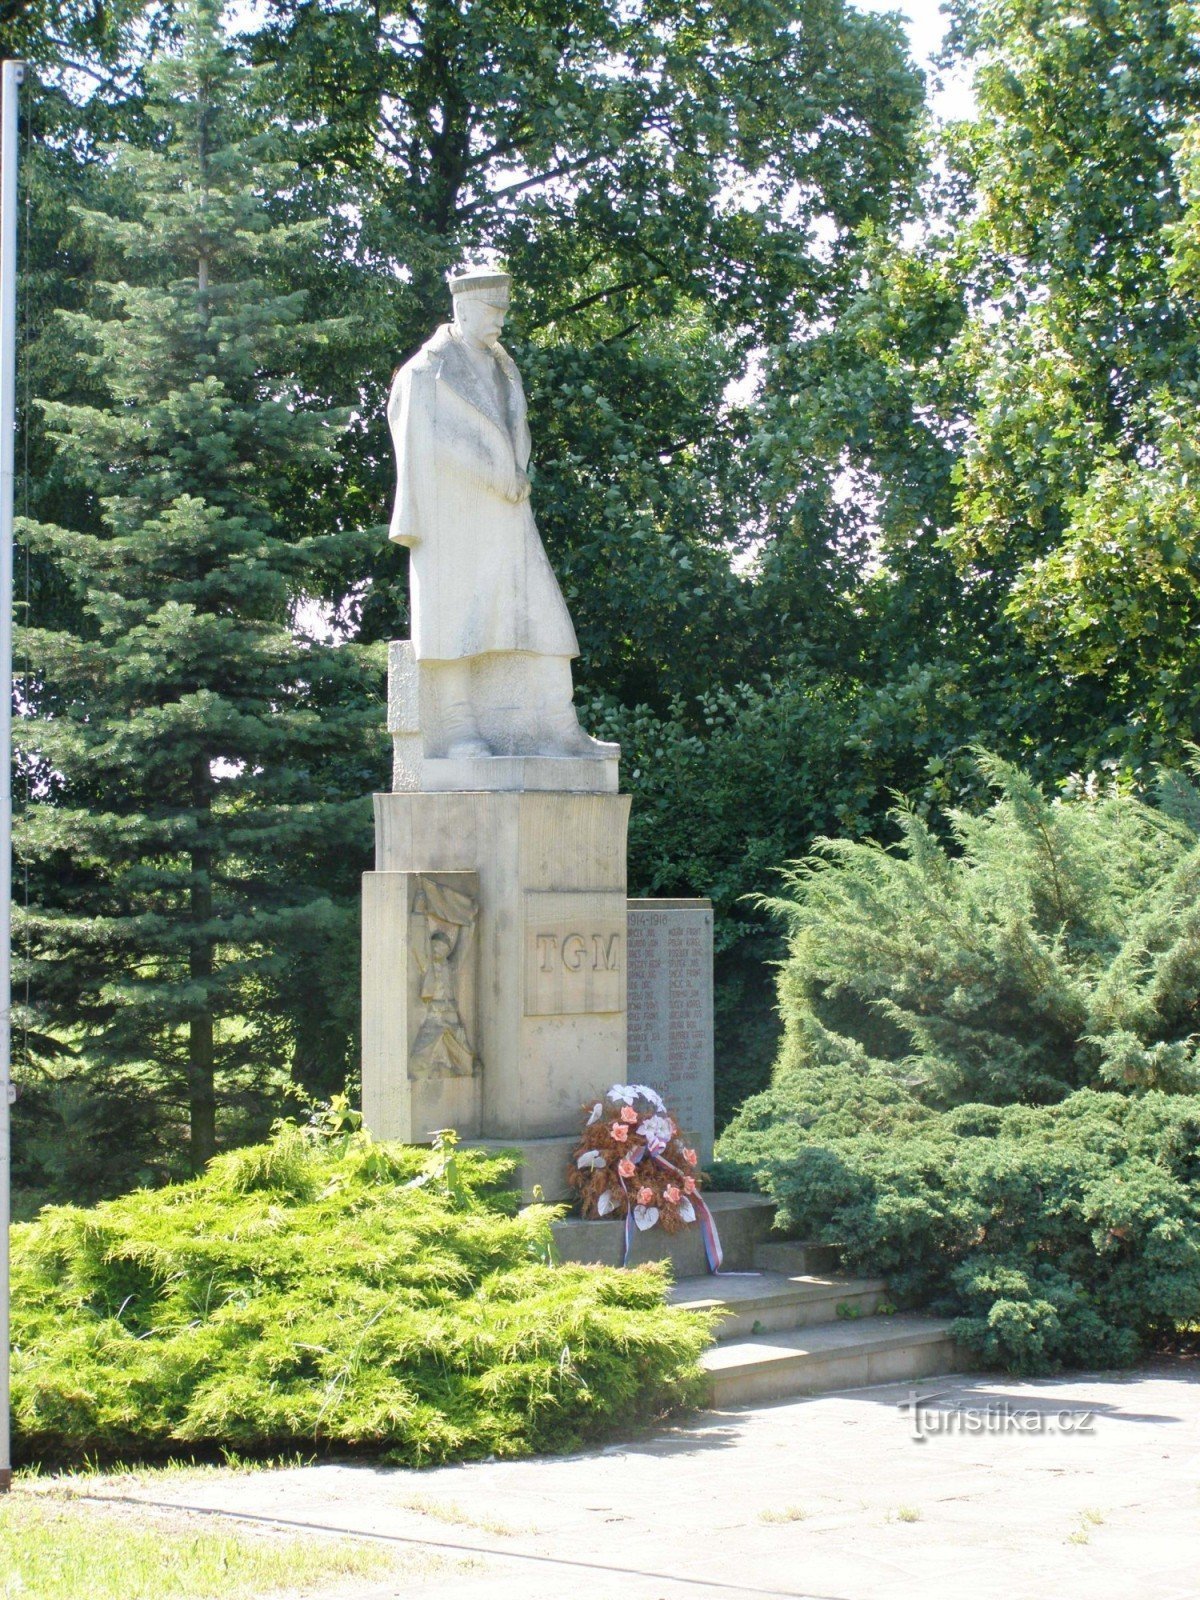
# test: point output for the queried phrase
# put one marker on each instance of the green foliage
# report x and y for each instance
(1010, 396)
(200, 764)
(988, 1087)
(86, 1132)
(1077, 486)
(1064, 1235)
(1048, 946)
(325, 1291)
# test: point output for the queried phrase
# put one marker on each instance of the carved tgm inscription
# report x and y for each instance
(574, 953)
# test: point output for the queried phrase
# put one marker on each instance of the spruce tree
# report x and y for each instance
(201, 762)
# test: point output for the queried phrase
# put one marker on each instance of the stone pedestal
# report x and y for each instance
(498, 994)
(540, 992)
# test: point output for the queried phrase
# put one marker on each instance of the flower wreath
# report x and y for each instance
(630, 1162)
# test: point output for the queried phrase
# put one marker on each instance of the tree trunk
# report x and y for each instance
(202, 1096)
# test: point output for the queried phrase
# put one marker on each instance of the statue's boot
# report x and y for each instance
(461, 731)
(561, 735)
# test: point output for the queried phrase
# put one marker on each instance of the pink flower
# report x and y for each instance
(672, 1193)
(626, 1167)
(690, 1157)
(645, 1196)
(628, 1114)
(619, 1132)
(689, 1186)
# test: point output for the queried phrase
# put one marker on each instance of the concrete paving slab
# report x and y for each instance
(1081, 1488)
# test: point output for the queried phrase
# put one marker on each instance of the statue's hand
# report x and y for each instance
(520, 489)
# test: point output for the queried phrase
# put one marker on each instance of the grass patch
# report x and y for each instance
(450, 1512)
(1088, 1520)
(788, 1514)
(336, 1296)
(83, 1477)
(55, 1550)
(905, 1514)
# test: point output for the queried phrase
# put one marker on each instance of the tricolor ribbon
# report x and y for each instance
(708, 1228)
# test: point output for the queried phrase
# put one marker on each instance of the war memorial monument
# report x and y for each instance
(507, 977)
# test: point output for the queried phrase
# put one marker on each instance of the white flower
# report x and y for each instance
(655, 1099)
(657, 1131)
(589, 1161)
(645, 1216)
(597, 1113)
(605, 1204)
(627, 1093)
(687, 1211)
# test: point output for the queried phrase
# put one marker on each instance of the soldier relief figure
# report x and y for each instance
(488, 618)
(441, 932)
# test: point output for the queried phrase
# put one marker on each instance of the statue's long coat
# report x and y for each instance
(479, 579)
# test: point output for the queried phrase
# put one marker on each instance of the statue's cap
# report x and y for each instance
(490, 280)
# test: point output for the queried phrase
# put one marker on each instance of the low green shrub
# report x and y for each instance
(987, 1085)
(331, 1293)
(1064, 1235)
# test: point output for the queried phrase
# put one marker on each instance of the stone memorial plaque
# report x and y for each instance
(574, 953)
(669, 994)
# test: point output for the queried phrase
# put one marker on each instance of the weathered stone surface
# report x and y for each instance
(574, 953)
(670, 1009)
(547, 864)
(743, 1222)
(542, 1164)
(504, 695)
(421, 1065)
(492, 642)
(569, 774)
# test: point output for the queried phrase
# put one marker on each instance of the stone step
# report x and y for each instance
(743, 1222)
(766, 1302)
(798, 1257)
(830, 1355)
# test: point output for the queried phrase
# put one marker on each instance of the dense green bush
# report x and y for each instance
(1055, 1235)
(1050, 946)
(1045, 961)
(337, 1294)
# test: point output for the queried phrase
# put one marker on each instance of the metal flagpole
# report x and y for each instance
(12, 74)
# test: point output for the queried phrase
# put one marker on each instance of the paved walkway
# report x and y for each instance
(1080, 1489)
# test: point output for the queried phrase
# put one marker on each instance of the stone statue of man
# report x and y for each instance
(481, 586)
